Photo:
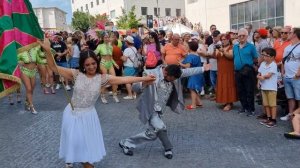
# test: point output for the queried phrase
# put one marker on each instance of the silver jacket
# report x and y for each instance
(146, 100)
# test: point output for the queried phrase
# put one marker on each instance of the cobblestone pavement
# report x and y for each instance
(203, 138)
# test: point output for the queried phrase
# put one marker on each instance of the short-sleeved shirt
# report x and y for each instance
(174, 54)
(243, 56)
(60, 47)
(279, 46)
(292, 63)
(261, 45)
(271, 83)
(213, 62)
(130, 53)
(192, 59)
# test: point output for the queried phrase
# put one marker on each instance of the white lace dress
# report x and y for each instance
(81, 136)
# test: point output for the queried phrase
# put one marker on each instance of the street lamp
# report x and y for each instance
(88, 13)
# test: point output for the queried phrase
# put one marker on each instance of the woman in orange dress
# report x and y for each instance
(226, 88)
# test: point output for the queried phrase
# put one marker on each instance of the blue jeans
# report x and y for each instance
(213, 78)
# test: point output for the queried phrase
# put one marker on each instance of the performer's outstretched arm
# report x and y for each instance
(193, 71)
(115, 80)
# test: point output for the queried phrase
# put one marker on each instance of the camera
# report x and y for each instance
(218, 46)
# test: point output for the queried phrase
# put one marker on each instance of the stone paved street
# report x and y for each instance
(203, 138)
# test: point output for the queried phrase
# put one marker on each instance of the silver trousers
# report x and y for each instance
(156, 129)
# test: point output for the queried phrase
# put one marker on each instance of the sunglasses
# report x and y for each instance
(284, 32)
(241, 36)
(265, 55)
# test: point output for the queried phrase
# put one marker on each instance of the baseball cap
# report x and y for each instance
(262, 31)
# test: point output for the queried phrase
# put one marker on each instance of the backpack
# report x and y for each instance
(151, 60)
(137, 61)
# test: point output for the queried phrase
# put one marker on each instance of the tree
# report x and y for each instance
(128, 20)
(81, 21)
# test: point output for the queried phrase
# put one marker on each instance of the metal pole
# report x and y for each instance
(157, 13)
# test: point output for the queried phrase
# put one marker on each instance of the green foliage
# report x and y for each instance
(81, 21)
(128, 20)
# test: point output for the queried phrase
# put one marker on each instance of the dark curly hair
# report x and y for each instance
(87, 54)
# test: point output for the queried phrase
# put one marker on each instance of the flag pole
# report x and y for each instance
(60, 77)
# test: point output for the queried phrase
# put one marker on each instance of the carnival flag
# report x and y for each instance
(19, 27)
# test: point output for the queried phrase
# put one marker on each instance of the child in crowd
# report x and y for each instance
(267, 82)
(195, 82)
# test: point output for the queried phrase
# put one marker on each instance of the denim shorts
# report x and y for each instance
(74, 63)
(130, 71)
(292, 88)
(62, 64)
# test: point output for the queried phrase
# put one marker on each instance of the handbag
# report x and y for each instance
(288, 56)
(246, 69)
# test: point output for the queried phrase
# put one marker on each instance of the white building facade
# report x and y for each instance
(234, 14)
(142, 7)
(51, 18)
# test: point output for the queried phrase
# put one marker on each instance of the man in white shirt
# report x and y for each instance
(291, 62)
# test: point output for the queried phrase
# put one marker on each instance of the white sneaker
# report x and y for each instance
(202, 92)
(116, 98)
(285, 118)
(134, 96)
(103, 99)
(110, 93)
(128, 98)
(68, 88)
(57, 86)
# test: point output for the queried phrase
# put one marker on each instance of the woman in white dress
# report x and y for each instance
(81, 135)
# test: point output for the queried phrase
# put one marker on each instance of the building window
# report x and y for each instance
(191, 1)
(157, 13)
(81, 9)
(259, 13)
(86, 7)
(92, 4)
(112, 14)
(178, 12)
(97, 1)
(168, 11)
(103, 1)
(144, 10)
(72, 1)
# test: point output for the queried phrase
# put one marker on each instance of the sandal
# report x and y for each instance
(11, 101)
(52, 90)
(199, 105)
(228, 107)
(190, 107)
(291, 135)
(46, 90)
